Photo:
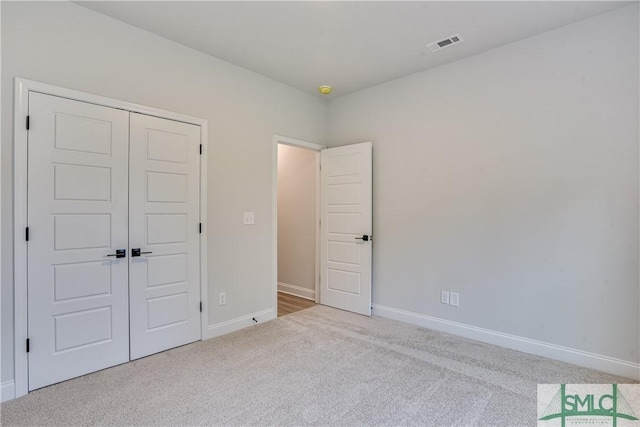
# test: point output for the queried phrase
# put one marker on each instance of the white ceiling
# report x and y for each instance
(349, 45)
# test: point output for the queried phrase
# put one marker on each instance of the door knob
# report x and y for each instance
(364, 238)
(136, 252)
(120, 253)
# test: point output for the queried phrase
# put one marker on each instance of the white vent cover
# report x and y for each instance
(449, 41)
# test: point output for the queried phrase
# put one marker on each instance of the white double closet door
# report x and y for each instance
(113, 246)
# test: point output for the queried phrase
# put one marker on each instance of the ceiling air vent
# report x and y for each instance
(449, 41)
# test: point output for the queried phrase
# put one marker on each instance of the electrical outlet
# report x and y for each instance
(222, 298)
(454, 299)
(444, 297)
(248, 218)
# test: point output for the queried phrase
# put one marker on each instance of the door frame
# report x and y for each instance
(278, 139)
(22, 87)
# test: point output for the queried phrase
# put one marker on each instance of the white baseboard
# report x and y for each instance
(297, 291)
(238, 323)
(7, 391)
(565, 354)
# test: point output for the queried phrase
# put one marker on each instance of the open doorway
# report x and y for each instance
(297, 189)
(342, 223)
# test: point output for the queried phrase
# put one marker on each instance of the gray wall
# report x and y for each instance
(297, 216)
(511, 177)
(67, 45)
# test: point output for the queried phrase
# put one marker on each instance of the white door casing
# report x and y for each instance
(164, 224)
(285, 140)
(346, 227)
(78, 320)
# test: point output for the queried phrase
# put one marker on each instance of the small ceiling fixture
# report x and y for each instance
(325, 89)
(449, 41)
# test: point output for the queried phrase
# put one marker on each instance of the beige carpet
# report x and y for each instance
(318, 366)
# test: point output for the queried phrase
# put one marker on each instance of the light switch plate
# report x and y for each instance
(248, 218)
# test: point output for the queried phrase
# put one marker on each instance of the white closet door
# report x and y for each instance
(345, 233)
(77, 198)
(164, 225)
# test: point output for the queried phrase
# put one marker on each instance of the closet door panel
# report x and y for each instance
(164, 227)
(78, 314)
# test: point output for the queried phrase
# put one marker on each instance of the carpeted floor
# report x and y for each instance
(319, 366)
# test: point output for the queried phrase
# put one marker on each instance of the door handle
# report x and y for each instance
(120, 253)
(365, 238)
(136, 252)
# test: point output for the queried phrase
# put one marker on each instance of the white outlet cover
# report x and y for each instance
(248, 218)
(454, 299)
(444, 297)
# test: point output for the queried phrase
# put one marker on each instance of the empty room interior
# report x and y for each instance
(320, 213)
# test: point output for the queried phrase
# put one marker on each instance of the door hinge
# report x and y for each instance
(27, 122)
(200, 148)
(200, 228)
(26, 234)
(200, 306)
(27, 345)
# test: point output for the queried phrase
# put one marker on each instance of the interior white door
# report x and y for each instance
(345, 230)
(164, 226)
(78, 314)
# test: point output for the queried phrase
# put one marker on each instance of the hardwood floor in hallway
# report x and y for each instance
(288, 304)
